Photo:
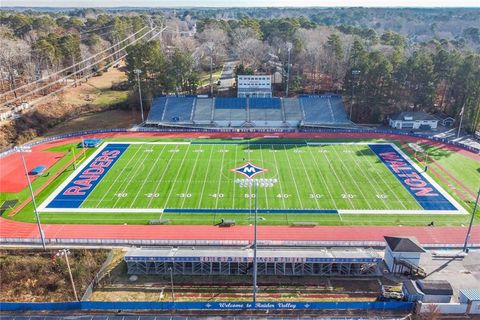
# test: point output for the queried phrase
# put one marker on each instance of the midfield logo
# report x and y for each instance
(249, 170)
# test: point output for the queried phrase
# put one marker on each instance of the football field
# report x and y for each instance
(201, 177)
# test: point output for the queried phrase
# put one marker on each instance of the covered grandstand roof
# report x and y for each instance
(263, 255)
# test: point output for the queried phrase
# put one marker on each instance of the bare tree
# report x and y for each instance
(14, 57)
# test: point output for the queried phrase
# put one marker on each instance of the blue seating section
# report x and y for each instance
(230, 103)
(327, 109)
(178, 109)
(156, 110)
(265, 103)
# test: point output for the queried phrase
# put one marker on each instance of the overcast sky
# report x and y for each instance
(240, 3)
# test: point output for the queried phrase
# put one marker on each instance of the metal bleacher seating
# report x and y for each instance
(178, 109)
(230, 110)
(326, 109)
(203, 110)
(267, 112)
(156, 110)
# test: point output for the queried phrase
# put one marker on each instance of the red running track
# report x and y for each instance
(425, 235)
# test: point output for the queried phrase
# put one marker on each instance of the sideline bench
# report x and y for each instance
(159, 221)
(304, 224)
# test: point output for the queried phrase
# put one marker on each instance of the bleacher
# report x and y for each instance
(156, 110)
(178, 109)
(230, 103)
(203, 110)
(325, 110)
(264, 103)
(293, 111)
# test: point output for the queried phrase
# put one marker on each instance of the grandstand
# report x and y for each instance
(280, 262)
(325, 110)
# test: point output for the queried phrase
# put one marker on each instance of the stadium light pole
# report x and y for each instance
(354, 73)
(255, 183)
(171, 284)
(65, 253)
(289, 48)
(21, 150)
(465, 245)
(137, 73)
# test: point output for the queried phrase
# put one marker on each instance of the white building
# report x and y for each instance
(402, 254)
(413, 121)
(259, 86)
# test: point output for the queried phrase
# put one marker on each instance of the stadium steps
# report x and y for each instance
(212, 114)
(194, 103)
(329, 104)
(203, 111)
(164, 109)
(282, 105)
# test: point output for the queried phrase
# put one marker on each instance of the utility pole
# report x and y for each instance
(255, 287)
(354, 73)
(137, 73)
(21, 150)
(289, 48)
(65, 253)
(171, 284)
(465, 245)
(461, 120)
(211, 75)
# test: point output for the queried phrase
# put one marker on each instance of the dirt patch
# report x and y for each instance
(42, 276)
(82, 101)
(118, 118)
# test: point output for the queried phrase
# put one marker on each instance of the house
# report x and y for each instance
(428, 291)
(472, 298)
(403, 254)
(444, 119)
(413, 121)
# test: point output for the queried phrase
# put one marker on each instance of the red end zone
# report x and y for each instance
(12, 174)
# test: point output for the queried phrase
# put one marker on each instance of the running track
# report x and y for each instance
(436, 236)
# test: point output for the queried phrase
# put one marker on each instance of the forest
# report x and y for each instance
(382, 60)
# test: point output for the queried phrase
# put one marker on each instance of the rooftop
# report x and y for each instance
(239, 255)
(403, 244)
(412, 116)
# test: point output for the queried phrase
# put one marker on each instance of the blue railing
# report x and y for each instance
(250, 130)
(100, 305)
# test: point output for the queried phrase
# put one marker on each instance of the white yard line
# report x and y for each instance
(176, 176)
(152, 167)
(293, 177)
(279, 178)
(191, 176)
(338, 179)
(130, 177)
(429, 179)
(308, 177)
(62, 186)
(378, 189)
(234, 184)
(206, 176)
(385, 183)
(167, 165)
(265, 189)
(322, 177)
(114, 181)
(353, 179)
(220, 177)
